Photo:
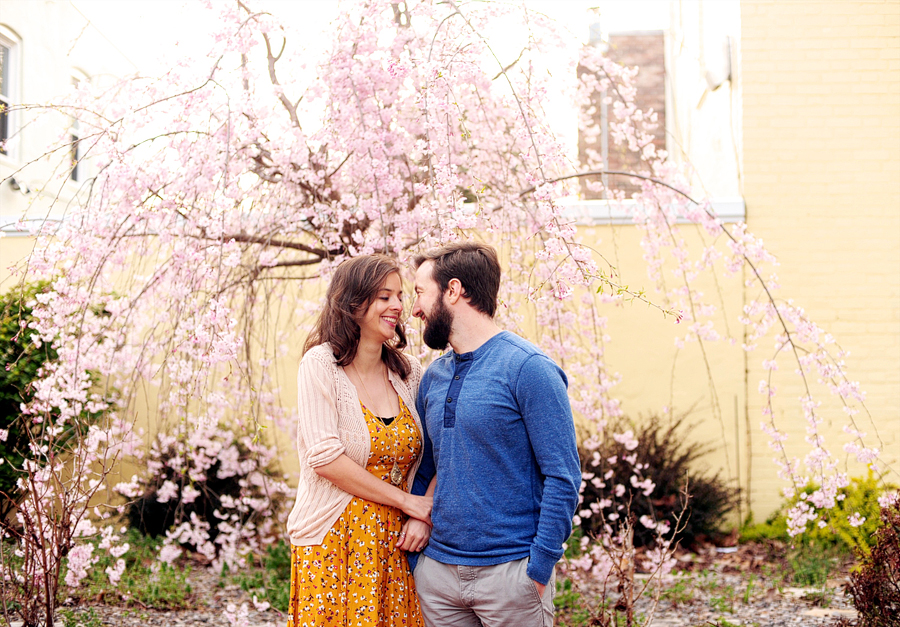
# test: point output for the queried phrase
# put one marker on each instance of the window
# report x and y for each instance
(645, 49)
(9, 64)
(5, 91)
(4, 96)
(76, 150)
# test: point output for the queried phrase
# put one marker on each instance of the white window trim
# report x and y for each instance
(12, 226)
(9, 39)
(603, 212)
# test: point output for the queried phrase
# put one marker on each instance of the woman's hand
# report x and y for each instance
(414, 535)
(418, 507)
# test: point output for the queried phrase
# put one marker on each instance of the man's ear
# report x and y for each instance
(454, 291)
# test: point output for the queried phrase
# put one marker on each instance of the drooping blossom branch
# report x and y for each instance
(223, 188)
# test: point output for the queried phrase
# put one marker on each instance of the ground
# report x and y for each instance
(725, 587)
(712, 587)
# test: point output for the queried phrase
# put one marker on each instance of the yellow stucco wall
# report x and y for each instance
(705, 383)
(821, 139)
(13, 250)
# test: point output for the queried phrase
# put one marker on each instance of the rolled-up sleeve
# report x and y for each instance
(318, 438)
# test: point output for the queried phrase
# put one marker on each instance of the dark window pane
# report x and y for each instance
(73, 154)
(4, 127)
(4, 71)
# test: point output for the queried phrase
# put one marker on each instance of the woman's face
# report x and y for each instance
(380, 320)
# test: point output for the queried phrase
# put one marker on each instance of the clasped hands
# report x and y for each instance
(416, 530)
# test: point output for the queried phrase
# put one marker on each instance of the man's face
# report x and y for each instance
(430, 307)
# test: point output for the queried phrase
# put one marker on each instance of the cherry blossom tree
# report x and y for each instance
(226, 190)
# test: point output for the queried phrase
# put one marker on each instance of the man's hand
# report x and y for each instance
(540, 588)
(413, 535)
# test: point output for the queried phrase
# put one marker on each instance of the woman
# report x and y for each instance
(359, 439)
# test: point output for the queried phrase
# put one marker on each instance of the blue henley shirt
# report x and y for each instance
(499, 430)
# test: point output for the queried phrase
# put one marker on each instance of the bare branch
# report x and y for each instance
(510, 66)
(288, 105)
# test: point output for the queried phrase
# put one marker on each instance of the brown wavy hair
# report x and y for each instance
(353, 287)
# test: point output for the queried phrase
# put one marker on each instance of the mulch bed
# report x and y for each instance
(712, 591)
(732, 586)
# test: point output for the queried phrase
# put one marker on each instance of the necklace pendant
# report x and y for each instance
(396, 475)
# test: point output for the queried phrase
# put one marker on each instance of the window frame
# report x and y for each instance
(78, 165)
(13, 43)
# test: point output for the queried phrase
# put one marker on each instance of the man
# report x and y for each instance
(500, 436)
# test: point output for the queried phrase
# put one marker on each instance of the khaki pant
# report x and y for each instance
(482, 596)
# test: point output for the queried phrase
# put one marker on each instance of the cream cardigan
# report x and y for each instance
(330, 423)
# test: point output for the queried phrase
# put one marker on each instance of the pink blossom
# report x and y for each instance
(260, 606)
(167, 491)
(627, 439)
(169, 552)
(237, 617)
(115, 572)
(856, 520)
(189, 494)
(80, 560)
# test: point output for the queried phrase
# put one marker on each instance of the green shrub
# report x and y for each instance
(569, 604)
(22, 361)
(269, 579)
(146, 581)
(669, 461)
(861, 497)
(811, 565)
(774, 528)
(85, 618)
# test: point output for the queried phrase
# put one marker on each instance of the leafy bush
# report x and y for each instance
(144, 581)
(269, 578)
(84, 618)
(570, 605)
(875, 585)
(622, 469)
(860, 498)
(23, 360)
(811, 566)
(210, 490)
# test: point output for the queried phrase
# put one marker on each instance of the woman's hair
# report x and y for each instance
(353, 287)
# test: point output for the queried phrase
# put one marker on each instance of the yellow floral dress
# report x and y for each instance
(356, 577)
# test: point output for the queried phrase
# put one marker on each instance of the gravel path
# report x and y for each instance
(724, 590)
(763, 606)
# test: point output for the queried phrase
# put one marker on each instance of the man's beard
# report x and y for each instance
(438, 326)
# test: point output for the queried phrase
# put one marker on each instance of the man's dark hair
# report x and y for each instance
(474, 264)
